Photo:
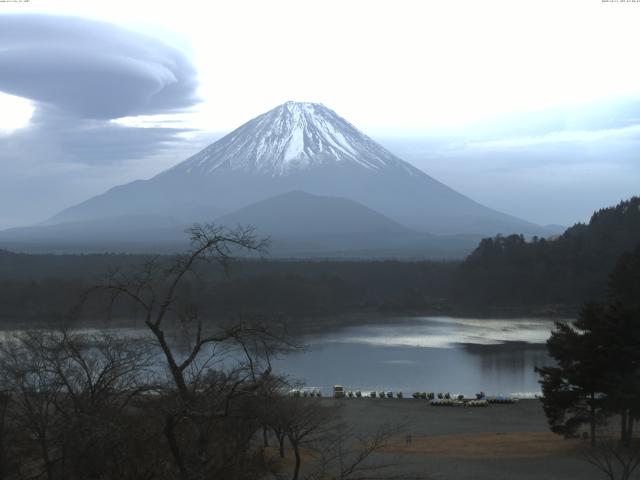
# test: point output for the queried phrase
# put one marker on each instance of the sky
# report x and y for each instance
(531, 108)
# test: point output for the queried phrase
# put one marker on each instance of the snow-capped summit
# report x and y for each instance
(292, 136)
(303, 147)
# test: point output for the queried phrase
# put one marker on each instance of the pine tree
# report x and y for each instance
(573, 391)
(598, 359)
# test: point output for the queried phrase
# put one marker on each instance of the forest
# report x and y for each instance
(567, 270)
(505, 275)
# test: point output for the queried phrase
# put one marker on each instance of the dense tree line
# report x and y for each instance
(37, 287)
(567, 270)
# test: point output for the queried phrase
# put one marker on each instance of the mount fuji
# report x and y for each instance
(296, 147)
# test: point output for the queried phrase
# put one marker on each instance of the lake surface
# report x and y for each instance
(439, 354)
(408, 354)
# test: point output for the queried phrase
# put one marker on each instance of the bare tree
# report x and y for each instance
(35, 394)
(154, 289)
(307, 421)
(616, 460)
(349, 455)
(67, 394)
(217, 369)
(330, 449)
(276, 416)
(5, 400)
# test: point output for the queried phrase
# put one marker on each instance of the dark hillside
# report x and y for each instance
(572, 268)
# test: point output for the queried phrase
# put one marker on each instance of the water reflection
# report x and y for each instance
(459, 355)
(427, 354)
(513, 361)
(442, 332)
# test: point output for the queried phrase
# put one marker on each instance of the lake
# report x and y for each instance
(439, 354)
(408, 354)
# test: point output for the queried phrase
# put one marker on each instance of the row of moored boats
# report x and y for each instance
(435, 399)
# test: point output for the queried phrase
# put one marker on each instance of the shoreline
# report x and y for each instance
(307, 325)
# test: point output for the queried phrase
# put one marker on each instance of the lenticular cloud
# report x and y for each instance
(92, 69)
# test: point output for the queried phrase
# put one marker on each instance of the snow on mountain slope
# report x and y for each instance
(299, 147)
(292, 136)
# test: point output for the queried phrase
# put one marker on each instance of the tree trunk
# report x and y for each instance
(592, 418)
(176, 373)
(4, 401)
(203, 440)
(296, 470)
(2, 454)
(281, 442)
(265, 437)
(624, 427)
(173, 446)
(48, 463)
(630, 421)
(44, 450)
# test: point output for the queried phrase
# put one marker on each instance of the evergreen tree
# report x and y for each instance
(623, 321)
(573, 391)
(598, 359)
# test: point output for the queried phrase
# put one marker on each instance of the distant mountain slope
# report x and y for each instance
(125, 233)
(305, 225)
(302, 215)
(299, 225)
(300, 147)
(575, 266)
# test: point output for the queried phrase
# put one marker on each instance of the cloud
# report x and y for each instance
(583, 137)
(80, 75)
(92, 69)
(89, 141)
(555, 166)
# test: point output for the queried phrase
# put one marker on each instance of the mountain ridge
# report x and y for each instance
(306, 147)
(319, 215)
(299, 224)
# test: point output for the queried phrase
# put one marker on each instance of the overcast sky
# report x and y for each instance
(530, 107)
